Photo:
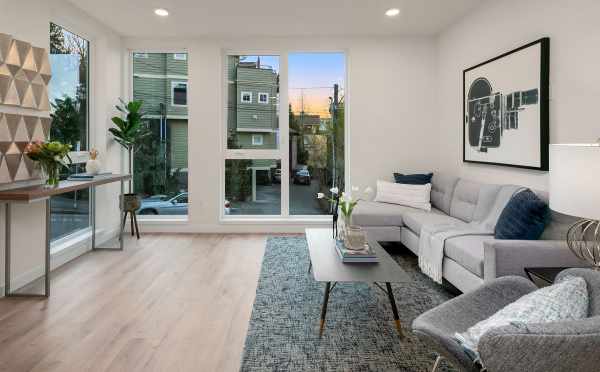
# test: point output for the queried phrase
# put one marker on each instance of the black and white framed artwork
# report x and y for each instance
(505, 103)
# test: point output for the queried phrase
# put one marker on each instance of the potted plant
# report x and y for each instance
(343, 205)
(128, 132)
(50, 156)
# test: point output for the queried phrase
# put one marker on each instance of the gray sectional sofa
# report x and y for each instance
(468, 261)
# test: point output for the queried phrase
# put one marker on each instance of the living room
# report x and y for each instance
(205, 165)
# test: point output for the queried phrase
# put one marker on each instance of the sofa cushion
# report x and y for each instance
(414, 220)
(467, 251)
(524, 217)
(464, 199)
(371, 213)
(442, 187)
(413, 179)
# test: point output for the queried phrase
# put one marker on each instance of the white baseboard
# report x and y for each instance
(61, 254)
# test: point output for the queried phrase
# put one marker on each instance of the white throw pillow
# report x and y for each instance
(565, 300)
(416, 196)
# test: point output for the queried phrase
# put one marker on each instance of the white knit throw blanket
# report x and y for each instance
(434, 236)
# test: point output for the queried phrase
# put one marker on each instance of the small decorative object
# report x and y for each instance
(345, 205)
(573, 181)
(92, 166)
(505, 105)
(50, 156)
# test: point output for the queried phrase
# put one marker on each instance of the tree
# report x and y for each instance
(65, 120)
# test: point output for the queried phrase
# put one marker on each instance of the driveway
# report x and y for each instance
(303, 201)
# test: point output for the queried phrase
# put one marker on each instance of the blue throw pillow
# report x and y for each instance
(413, 179)
(524, 217)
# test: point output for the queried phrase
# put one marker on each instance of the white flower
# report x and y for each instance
(354, 188)
(334, 190)
(369, 190)
(320, 195)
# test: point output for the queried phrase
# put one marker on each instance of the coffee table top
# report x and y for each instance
(327, 266)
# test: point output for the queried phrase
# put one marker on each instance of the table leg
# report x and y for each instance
(93, 207)
(309, 265)
(123, 215)
(394, 308)
(7, 246)
(324, 308)
(47, 266)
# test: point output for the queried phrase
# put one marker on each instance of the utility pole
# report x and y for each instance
(333, 131)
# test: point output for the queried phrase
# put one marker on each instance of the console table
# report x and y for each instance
(33, 194)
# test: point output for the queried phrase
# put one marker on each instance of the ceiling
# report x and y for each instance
(193, 18)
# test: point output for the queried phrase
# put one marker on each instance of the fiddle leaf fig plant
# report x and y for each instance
(129, 129)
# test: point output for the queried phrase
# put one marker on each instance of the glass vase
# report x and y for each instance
(51, 172)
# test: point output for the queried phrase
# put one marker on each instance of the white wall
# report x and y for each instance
(496, 27)
(391, 120)
(29, 20)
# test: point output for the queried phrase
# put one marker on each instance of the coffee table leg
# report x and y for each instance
(324, 308)
(394, 309)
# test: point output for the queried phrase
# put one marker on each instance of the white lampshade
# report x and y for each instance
(575, 180)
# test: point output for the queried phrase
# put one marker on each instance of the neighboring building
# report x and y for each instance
(160, 80)
(253, 104)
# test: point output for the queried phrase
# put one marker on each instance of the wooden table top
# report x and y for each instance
(32, 193)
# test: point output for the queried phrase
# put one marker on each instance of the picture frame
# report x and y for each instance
(506, 108)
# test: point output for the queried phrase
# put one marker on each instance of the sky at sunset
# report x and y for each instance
(311, 78)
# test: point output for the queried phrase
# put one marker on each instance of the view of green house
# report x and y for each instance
(160, 80)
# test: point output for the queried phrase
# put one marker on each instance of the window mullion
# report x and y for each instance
(284, 131)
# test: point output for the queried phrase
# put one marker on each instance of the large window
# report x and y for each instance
(316, 121)
(160, 170)
(262, 177)
(69, 97)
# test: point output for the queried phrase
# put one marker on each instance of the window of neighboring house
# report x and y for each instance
(263, 98)
(69, 97)
(140, 55)
(257, 140)
(180, 56)
(160, 163)
(247, 97)
(179, 93)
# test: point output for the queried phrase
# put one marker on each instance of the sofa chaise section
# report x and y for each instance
(469, 261)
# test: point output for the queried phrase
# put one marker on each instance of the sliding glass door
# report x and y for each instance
(284, 133)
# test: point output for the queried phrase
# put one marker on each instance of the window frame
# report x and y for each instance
(173, 86)
(281, 153)
(140, 55)
(80, 157)
(242, 94)
(266, 102)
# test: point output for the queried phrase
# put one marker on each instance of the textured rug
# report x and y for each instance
(283, 333)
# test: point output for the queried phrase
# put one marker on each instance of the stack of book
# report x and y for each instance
(86, 176)
(353, 255)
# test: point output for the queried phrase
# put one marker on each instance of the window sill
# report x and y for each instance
(274, 220)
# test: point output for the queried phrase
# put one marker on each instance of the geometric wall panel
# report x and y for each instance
(24, 77)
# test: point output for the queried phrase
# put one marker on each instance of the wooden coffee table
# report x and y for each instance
(328, 268)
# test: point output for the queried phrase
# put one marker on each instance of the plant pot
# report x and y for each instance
(93, 166)
(131, 202)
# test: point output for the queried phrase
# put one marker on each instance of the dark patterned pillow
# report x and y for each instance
(413, 179)
(524, 217)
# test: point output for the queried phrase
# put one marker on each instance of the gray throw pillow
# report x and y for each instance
(565, 300)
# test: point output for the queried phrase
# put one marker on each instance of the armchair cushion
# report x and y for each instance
(565, 300)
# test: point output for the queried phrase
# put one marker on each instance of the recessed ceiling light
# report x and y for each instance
(392, 12)
(161, 12)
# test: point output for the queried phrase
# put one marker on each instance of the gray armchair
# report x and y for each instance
(558, 346)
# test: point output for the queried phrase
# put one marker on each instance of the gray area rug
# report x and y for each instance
(283, 333)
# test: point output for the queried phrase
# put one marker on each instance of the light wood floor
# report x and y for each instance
(168, 303)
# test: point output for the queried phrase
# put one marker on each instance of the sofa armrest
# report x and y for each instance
(511, 257)
(559, 346)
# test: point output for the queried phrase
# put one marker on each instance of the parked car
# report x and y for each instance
(165, 205)
(302, 177)
(277, 176)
